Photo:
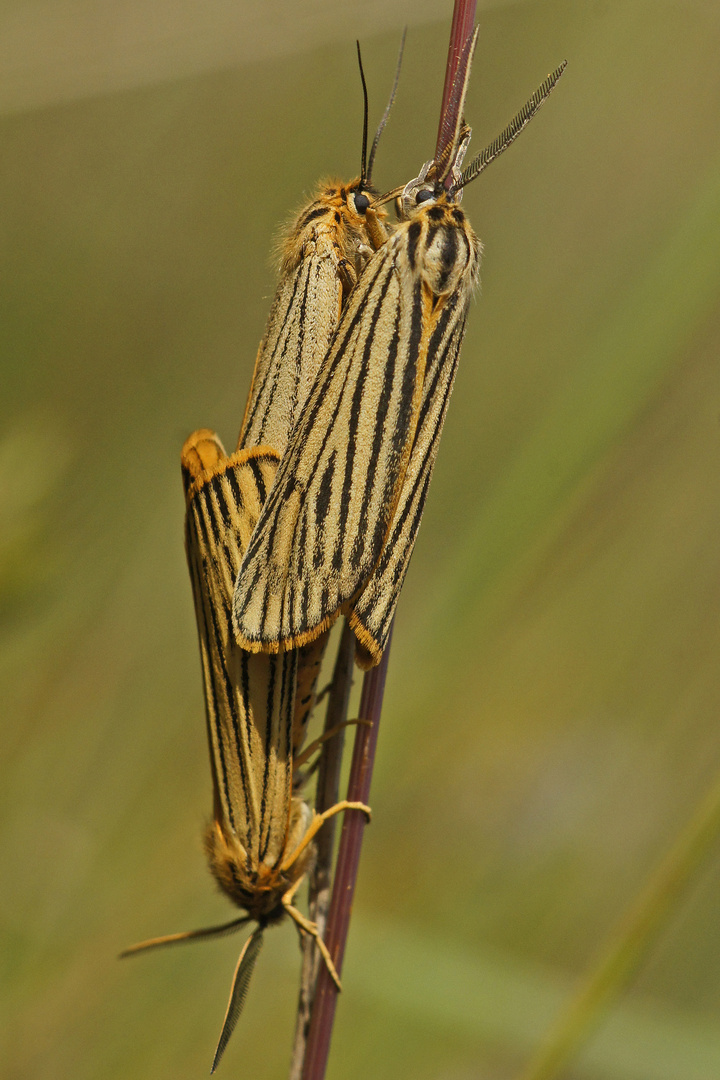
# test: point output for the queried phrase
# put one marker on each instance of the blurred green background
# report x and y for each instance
(551, 713)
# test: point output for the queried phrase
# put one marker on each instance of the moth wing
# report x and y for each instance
(302, 321)
(224, 499)
(450, 259)
(249, 699)
(310, 658)
(373, 611)
(326, 518)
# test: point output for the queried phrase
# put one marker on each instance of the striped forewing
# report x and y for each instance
(372, 612)
(310, 658)
(448, 253)
(344, 509)
(320, 252)
(302, 320)
(326, 518)
(250, 699)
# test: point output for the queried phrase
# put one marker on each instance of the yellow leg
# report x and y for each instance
(317, 743)
(290, 894)
(317, 823)
(347, 275)
(376, 230)
(311, 929)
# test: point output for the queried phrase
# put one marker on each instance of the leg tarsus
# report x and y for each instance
(347, 275)
(310, 928)
(316, 824)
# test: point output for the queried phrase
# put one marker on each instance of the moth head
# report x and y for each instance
(413, 200)
(359, 197)
(427, 188)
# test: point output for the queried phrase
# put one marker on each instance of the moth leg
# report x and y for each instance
(377, 233)
(347, 275)
(322, 694)
(317, 823)
(317, 743)
(310, 928)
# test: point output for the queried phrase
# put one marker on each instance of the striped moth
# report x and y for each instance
(259, 843)
(338, 527)
(321, 258)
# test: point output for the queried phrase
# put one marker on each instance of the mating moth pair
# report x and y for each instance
(316, 512)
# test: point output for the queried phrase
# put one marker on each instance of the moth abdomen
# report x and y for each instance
(258, 887)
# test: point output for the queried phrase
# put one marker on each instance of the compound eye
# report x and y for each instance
(361, 202)
(424, 194)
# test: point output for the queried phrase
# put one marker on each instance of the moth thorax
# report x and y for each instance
(258, 887)
(450, 258)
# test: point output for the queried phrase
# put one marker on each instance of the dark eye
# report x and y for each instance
(361, 202)
(424, 194)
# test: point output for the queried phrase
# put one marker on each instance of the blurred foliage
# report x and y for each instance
(551, 715)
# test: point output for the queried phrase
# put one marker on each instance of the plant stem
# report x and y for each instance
(317, 1047)
(463, 24)
(348, 861)
(328, 784)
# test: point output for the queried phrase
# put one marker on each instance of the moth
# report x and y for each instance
(259, 843)
(321, 259)
(338, 527)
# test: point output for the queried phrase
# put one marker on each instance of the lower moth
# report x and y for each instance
(337, 530)
(259, 842)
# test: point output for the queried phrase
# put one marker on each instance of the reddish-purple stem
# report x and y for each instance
(463, 24)
(346, 869)
(319, 891)
(348, 860)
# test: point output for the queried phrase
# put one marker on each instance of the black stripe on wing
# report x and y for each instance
(215, 702)
(227, 705)
(274, 359)
(302, 320)
(372, 612)
(222, 507)
(366, 396)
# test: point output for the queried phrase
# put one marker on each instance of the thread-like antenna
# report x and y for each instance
(363, 158)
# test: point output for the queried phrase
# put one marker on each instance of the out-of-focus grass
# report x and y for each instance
(551, 711)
